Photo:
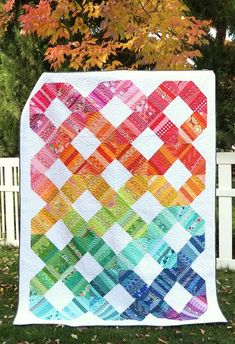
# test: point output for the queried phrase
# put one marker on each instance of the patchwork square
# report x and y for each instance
(88, 267)
(59, 235)
(57, 112)
(154, 143)
(172, 297)
(114, 296)
(85, 143)
(115, 111)
(116, 175)
(87, 205)
(59, 295)
(147, 207)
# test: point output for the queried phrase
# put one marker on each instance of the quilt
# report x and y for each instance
(117, 199)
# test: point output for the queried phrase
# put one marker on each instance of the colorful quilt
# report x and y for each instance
(117, 200)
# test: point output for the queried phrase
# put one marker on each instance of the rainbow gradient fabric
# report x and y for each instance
(117, 200)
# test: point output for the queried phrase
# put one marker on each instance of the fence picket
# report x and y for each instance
(9, 190)
(2, 206)
(225, 194)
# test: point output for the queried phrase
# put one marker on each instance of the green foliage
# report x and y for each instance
(21, 64)
(222, 61)
(219, 56)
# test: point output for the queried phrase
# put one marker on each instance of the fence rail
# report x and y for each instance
(9, 206)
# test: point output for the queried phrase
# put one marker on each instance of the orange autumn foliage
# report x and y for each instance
(111, 34)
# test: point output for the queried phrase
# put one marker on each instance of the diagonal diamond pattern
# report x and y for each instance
(132, 172)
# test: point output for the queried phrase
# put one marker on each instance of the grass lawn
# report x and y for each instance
(47, 334)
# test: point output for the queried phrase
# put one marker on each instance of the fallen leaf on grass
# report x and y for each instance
(163, 341)
(74, 336)
(202, 331)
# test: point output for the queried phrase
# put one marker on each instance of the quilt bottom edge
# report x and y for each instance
(215, 316)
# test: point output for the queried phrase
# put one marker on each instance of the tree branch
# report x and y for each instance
(142, 6)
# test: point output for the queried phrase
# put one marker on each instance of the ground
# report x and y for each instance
(47, 334)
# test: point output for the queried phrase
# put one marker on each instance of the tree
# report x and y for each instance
(21, 63)
(219, 55)
(137, 34)
(87, 35)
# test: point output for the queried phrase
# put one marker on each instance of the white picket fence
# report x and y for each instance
(225, 193)
(9, 201)
(9, 205)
